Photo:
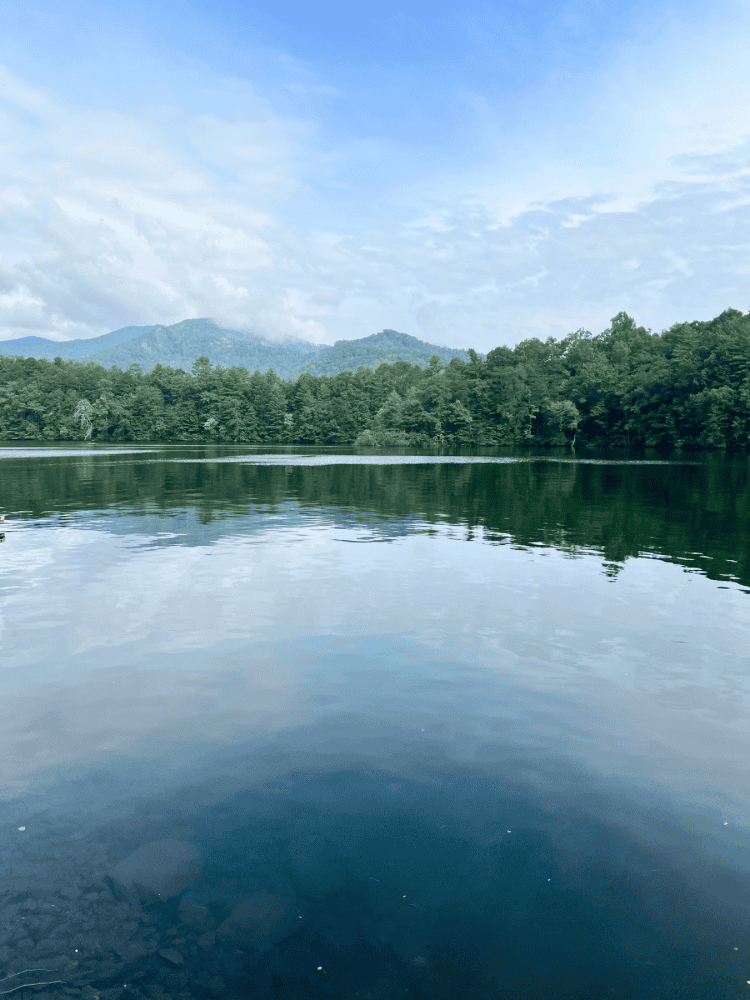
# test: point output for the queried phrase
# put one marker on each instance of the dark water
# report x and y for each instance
(398, 725)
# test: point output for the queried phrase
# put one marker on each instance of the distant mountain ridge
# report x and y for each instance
(182, 343)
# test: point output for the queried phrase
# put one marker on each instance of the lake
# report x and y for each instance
(310, 723)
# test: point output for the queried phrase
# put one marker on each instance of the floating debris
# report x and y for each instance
(24, 972)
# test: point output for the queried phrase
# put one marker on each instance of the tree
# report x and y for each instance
(688, 387)
(83, 414)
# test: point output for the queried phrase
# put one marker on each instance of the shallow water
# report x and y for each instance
(434, 726)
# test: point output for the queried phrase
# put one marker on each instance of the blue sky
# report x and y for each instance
(470, 174)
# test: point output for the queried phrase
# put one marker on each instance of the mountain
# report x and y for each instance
(180, 344)
(378, 349)
(77, 350)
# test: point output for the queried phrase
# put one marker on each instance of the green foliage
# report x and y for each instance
(687, 388)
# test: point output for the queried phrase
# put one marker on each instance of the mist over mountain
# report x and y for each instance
(182, 343)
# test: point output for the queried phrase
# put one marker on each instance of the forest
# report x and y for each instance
(626, 388)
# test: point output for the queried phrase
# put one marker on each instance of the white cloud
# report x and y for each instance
(638, 200)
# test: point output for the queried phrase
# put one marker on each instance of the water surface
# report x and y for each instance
(430, 725)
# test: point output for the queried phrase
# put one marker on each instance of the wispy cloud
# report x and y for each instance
(635, 196)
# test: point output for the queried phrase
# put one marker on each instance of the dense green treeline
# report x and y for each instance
(625, 388)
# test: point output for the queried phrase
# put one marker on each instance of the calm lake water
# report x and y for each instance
(322, 724)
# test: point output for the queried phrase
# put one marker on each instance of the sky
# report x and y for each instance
(472, 174)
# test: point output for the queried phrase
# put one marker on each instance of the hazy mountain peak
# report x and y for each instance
(180, 344)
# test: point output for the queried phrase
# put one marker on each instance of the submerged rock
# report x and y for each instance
(206, 941)
(260, 921)
(163, 868)
(195, 915)
(172, 956)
